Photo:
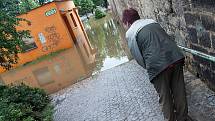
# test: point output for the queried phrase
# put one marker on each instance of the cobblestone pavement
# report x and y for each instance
(124, 93)
(201, 100)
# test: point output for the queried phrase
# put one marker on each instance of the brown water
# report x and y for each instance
(106, 36)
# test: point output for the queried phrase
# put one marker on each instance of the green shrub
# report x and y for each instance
(22, 103)
(99, 14)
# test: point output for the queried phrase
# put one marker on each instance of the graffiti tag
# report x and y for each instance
(53, 39)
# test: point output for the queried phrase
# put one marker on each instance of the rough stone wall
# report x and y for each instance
(167, 12)
(200, 20)
(190, 22)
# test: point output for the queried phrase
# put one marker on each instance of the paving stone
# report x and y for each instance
(124, 93)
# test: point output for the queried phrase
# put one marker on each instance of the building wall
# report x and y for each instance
(200, 21)
(51, 74)
(190, 22)
(51, 32)
(63, 54)
(51, 28)
(79, 37)
(65, 5)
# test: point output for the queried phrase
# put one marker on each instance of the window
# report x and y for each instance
(43, 76)
(29, 44)
(73, 20)
(85, 48)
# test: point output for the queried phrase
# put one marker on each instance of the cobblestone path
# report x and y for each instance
(124, 93)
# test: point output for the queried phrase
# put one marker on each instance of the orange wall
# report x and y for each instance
(55, 73)
(79, 35)
(53, 28)
(59, 31)
(66, 5)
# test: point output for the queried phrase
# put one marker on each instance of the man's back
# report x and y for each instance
(157, 48)
(154, 50)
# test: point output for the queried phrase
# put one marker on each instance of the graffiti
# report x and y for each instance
(50, 29)
(53, 39)
(49, 47)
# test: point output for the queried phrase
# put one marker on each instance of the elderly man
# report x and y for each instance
(155, 51)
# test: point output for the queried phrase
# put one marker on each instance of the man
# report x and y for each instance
(155, 51)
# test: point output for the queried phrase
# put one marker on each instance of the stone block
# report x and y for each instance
(203, 2)
(202, 61)
(213, 66)
(199, 48)
(213, 78)
(213, 63)
(191, 18)
(192, 35)
(204, 39)
(206, 74)
(213, 41)
(208, 22)
(196, 67)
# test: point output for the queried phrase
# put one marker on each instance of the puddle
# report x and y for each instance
(106, 36)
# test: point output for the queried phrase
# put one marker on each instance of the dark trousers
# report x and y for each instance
(171, 89)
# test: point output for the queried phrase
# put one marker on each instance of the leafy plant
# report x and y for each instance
(27, 5)
(85, 6)
(10, 38)
(99, 14)
(23, 103)
(102, 3)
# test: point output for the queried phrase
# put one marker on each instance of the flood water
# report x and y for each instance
(104, 35)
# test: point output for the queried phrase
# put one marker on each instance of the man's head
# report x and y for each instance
(129, 17)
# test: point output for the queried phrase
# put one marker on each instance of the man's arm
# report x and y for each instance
(141, 45)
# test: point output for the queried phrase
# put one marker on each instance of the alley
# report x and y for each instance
(124, 93)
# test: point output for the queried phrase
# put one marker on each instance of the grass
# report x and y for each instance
(97, 22)
(38, 60)
(45, 57)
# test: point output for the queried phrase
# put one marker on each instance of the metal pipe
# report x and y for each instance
(197, 53)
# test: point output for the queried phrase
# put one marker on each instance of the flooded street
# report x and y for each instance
(104, 35)
(122, 93)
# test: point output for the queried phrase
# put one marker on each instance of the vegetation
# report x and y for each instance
(22, 103)
(41, 2)
(45, 57)
(88, 6)
(102, 3)
(99, 14)
(10, 39)
(85, 6)
(27, 5)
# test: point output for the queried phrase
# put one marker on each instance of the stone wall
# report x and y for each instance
(190, 22)
(200, 20)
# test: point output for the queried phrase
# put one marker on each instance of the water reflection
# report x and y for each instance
(104, 35)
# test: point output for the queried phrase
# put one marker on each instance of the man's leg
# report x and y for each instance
(162, 86)
(179, 93)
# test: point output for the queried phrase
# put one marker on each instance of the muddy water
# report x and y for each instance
(104, 35)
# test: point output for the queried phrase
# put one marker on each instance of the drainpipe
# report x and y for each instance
(197, 53)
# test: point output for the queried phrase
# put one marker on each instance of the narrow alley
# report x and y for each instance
(120, 90)
(93, 60)
(124, 93)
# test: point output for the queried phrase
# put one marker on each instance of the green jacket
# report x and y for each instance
(152, 47)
